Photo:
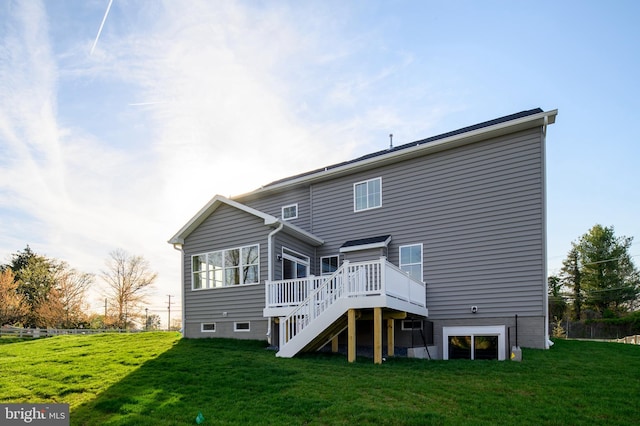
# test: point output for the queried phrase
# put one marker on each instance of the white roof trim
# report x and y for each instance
(209, 208)
(268, 219)
(300, 233)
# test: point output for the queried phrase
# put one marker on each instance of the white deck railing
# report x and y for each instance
(310, 297)
(290, 293)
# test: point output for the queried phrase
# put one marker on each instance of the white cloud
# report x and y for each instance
(177, 103)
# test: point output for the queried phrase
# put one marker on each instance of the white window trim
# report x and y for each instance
(292, 217)
(242, 330)
(326, 257)
(202, 330)
(355, 209)
(224, 286)
(296, 256)
(486, 330)
(421, 258)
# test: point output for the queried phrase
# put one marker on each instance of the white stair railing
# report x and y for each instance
(374, 279)
(315, 303)
(351, 279)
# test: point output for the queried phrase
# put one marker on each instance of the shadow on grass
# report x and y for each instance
(240, 382)
(8, 340)
(229, 381)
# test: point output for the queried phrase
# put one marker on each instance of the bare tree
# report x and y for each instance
(72, 286)
(128, 279)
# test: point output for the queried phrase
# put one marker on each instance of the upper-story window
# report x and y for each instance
(226, 267)
(411, 260)
(367, 194)
(290, 212)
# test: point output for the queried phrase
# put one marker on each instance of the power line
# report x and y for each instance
(606, 260)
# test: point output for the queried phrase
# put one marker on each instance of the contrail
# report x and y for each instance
(101, 25)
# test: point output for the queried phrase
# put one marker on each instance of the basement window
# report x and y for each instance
(208, 327)
(242, 326)
(474, 342)
(411, 325)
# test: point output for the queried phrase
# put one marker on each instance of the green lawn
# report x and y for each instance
(160, 379)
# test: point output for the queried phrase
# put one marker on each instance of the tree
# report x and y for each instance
(555, 285)
(34, 275)
(571, 277)
(557, 304)
(610, 279)
(600, 271)
(12, 306)
(153, 322)
(71, 288)
(128, 278)
(50, 292)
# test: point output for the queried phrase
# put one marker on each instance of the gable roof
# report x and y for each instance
(489, 129)
(268, 219)
(493, 128)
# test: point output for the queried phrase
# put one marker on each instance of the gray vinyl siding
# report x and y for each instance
(477, 210)
(241, 303)
(292, 243)
(273, 205)
(364, 255)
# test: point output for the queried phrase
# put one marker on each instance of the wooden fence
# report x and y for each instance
(50, 332)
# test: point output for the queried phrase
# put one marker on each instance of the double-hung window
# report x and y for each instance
(411, 260)
(367, 194)
(226, 267)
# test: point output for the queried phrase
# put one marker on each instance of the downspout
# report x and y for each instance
(178, 246)
(545, 297)
(270, 267)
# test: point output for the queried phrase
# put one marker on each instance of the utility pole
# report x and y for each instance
(104, 320)
(169, 313)
(146, 320)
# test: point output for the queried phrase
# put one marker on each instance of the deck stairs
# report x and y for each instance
(321, 315)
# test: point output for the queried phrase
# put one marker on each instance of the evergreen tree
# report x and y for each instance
(35, 278)
(600, 272)
(609, 278)
(571, 277)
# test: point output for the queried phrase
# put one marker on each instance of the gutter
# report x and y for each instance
(270, 249)
(545, 285)
(178, 246)
(270, 265)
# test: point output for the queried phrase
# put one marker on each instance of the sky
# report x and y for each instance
(113, 136)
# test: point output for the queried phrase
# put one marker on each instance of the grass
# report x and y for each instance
(160, 379)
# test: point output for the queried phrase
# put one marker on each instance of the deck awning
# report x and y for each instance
(366, 243)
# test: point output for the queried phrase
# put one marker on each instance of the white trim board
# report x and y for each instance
(480, 330)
